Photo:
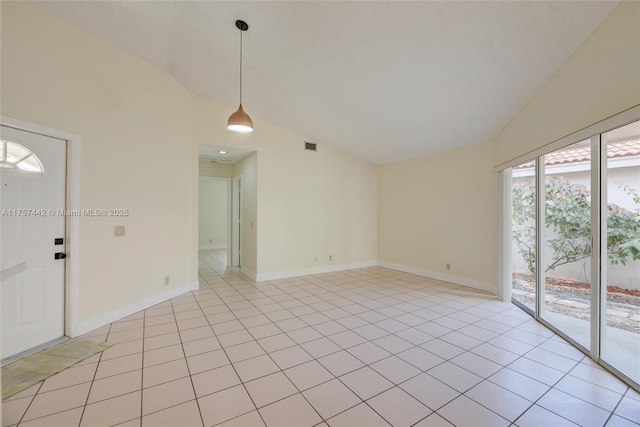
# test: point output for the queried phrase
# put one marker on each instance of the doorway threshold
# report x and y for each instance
(33, 350)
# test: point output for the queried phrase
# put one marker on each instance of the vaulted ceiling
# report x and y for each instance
(384, 81)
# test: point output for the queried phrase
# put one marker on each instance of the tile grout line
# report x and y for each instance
(534, 403)
(84, 408)
(553, 387)
(144, 329)
(392, 354)
(234, 369)
(317, 292)
(613, 412)
(365, 365)
(30, 403)
(195, 395)
(464, 350)
(279, 370)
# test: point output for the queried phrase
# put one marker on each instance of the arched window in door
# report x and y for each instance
(15, 156)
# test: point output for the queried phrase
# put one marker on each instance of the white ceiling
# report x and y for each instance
(221, 154)
(384, 81)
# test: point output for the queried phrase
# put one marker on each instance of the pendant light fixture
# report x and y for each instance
(240, 121)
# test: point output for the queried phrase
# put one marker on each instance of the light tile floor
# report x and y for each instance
(366, 347)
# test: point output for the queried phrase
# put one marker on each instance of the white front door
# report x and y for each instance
(32, 184)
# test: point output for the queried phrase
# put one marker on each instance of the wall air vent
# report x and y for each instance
(310, 146)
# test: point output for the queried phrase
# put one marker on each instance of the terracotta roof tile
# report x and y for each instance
(583, 154)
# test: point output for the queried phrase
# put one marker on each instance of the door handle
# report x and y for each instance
(60, 255)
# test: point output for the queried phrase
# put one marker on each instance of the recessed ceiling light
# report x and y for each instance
(222, 152)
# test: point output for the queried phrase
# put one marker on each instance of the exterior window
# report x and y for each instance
(15, 156)
(566, 249)
(574, 245)
(620, 327)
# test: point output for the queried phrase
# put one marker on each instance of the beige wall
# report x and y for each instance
(219, 170)
(441, 209)
(308, 204)
(129, 114)
(320, 204)
(213, 219)
(600, 80)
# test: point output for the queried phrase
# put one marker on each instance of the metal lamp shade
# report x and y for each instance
(240, 122)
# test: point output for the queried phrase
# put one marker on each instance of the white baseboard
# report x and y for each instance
(217, 246)
(314, 270)
(249, 273)
(119, 313)
(464, 281)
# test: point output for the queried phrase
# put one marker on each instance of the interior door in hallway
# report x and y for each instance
(32, 183)
(236, 221)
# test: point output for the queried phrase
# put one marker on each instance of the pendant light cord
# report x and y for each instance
(241, 66)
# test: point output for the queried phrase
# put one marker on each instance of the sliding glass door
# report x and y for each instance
(620, 328)
(566, 242)
(523, 235)
(575, 245)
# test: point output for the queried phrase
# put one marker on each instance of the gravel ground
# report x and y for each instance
(623, 310)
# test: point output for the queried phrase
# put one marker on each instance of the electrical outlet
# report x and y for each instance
(118, 231)
(330, 257)
(167, 280)
(448, 266)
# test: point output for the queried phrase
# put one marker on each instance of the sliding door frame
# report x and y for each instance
(598, 237)
(540, 238)
(599, 216)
